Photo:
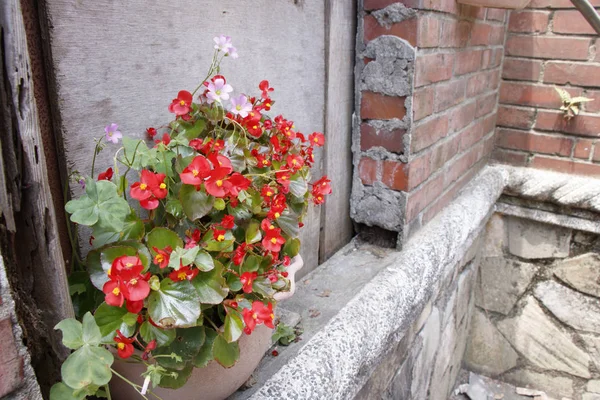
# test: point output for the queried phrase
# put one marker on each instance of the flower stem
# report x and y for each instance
(210, 71)
(96, 149)
(107, 388)
(136, 387)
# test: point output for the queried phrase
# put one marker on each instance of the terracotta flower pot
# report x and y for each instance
(212, 382)
(508, 4)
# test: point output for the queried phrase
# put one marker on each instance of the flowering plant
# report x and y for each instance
(197, 246)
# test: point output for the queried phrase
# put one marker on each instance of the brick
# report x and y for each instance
(423, 196)
(482, 82)
(419, 170)
(367, 170)
(480, 34)
(462, 116)
(557, 3)
(476, 131)
(486, 104)
(496, 14)
(449, 94)
(429, 32)
(521, 70)
(467, 61)
(510, 157)
(427, 133)
(454, 33)
(583, 149)
(423, 102)
(566, 166)
(492, 58)
(390, 140)
(571, 22)
(433, 68)
(596, 156)
(592, 106)
(528, 21)
(462, 164)
(533, 142)
(527, 94)
(11, 364)
(497, 34)
(445, 199)
(583, 124)
(573, 73)
(513, 117)
(395, 175)
(564, 48)
(597, 45)
(378, 106)
(448, 6)
(406, 29)
(444, 152)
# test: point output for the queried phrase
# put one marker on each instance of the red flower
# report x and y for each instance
(277, 206)
(134, 286)
(151, 132)
(273, 240)
(217, 184)
(112, 293)
(265, 88)
(183, 273)
(320, 189)
(267, 225)
(283, 178)
(192, 240)
(317, 139)
(267, 193)
(124, 345)
(220, 161)
(294, 161)
(149, 189)
(238, 182)
(247, 280)
(125, 263)
(261, 160)
(218, 234)
(166, 139)
(134, 307)
(181, 105)
(259, 314)
(106, 175)
(239, 254)
(228, 222)
(163, 256)
(149, 347)
(195, 173)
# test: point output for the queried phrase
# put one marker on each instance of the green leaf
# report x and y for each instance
(60, 391)
(72, 331)
(174, 208)
(205, 355)
(298, 185)
(181, 256)
(137, 153)
(288, 222)
(91, 332)
(133, 229)
(163, 337)
(233, 327)
(99, 261)
(251, 263)
(110, 318)
(225, 353)
(233, 282)
(240, 212)
(212, 245)
(175, 305)
(253, 233)
(171, 382)
(196, 203)
(291, 247)
(89, 365)
(161, 238)
(186, 345)
(204, 261)
(263, 286)
(210, 286)
(192, 131)
(100, 205)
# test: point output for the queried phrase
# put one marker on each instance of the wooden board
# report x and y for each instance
(337, 228)
(124, 62)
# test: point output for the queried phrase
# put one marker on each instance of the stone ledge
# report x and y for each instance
(338, 359)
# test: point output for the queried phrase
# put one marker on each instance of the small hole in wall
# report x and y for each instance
(37, 157)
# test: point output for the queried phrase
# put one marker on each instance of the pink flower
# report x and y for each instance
(218, 90)
(223, 43)
(112, 133)
(240, 106)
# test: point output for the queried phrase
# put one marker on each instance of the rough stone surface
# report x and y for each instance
(378, 206)
(488, 352)
(502, 282)
(533, 240)
(390, 72)
(590, 396)
(542, 343)
(572, 308)
(442, 379)
(430, 337)
(393, 13)
(556, 386)
(592, 345)
(593, 386)
(581, 273)
(495, 237)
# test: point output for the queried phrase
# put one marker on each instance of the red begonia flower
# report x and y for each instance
(247, 280)
(106, 175)
(124, 345)
(181, 105)
(195, 173)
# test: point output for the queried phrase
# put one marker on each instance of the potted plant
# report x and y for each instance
(507, 4)
(188, 259)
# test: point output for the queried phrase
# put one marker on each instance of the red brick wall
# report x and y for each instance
(550, 43)
(457, 70)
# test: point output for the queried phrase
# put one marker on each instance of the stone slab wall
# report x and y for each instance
(550, 44)
(537, 316)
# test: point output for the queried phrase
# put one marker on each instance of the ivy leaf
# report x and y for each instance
(110, 318)
(163, 337)
(288, 222)
(171, 382)
(253, 234)
(186, 345)
(175, 305)
(89, 365)
(233, 327)
(196, 203)
(100, 205)
(210, 286)
(72, 331)
(60, 391)
(161, 238)
(204, 261)
(225, 353)
(181, 256)
(91, 332)
(205, 355)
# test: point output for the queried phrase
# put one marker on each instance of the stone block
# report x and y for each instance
(488, 352)
(590, 396)
(534, 240)
(542, 343)
(556, 386)
(502, 282)
(593, 386)
(495, 236)
(430, 336)
(572, 308)
(400, 387)
(464, 294)
(441, 378)
(581, 273)
(11, 364)
(592, 345)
